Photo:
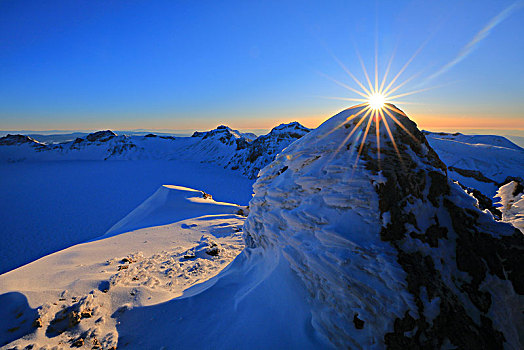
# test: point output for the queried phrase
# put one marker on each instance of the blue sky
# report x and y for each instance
(252, 64)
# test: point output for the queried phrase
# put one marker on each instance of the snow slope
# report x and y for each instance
(164, 207)
(490, 140)
(479, 161)
(62, 194)
(74, 297)
(48, 206)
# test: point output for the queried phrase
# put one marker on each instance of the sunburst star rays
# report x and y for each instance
(377, 98)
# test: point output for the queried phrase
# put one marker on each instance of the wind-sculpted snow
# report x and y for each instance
(80, 294)
(327, 224)
(391, 252)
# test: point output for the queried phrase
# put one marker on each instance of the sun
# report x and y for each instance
(377, 106)
(376, 101)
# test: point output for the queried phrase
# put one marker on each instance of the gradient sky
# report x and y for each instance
(253, 64)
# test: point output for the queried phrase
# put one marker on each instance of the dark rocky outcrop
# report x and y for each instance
(100, 136)
(479, 250)
(477, 175)
(225, 135)
(264, 149)
(11, 140)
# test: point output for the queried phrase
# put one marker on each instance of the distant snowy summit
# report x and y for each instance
(223, 146)
(483, 162)
(13, 140)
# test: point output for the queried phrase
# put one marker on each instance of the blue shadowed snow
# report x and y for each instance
(48, 206)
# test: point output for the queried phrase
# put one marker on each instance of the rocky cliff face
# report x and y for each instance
(392, 253)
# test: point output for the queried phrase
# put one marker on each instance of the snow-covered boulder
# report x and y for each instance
(391, 252)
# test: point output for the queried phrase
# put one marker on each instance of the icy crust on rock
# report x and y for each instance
(392, 253)
(511, 204)
(325, 218)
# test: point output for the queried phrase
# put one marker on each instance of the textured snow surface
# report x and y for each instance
(48, 206)
(76, 296)
(323, 215)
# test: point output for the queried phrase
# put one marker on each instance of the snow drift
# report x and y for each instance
(76, 297)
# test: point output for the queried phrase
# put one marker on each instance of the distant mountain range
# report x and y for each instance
(481, 164)
(224, 146)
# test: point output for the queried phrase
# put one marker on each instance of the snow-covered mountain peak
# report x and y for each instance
(101, 136)
(491, 140)
(293, 128)
(11, 140)
(225, 135)
(391, 252)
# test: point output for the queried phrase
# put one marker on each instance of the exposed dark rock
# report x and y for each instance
(518, 189)
(38, 323)
(264, 149)
(127, 260)
(78, 343)
(10, 140)
(359, 324)
(213, 250)
(475, 174)
(432, 234)
(484, 202)
(477, 253)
